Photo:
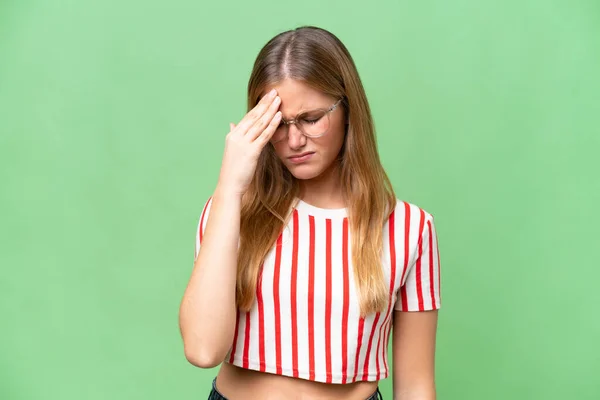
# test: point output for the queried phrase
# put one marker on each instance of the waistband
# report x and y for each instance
(216, 395)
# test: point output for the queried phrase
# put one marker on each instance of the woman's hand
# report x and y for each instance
(245, 142)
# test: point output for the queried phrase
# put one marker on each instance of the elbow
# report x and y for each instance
(202, 358)
(204, 348)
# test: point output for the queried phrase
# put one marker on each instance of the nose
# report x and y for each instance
(296, 139)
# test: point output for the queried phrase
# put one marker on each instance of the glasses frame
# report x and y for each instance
(295, 120)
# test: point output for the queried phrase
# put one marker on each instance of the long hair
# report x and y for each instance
(320, 60)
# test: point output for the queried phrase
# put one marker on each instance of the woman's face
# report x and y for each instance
(317, 154)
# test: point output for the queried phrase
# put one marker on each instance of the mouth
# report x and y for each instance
(300, 158)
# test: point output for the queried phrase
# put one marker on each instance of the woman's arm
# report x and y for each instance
(415, 318)
(414, 335)
(207, 310)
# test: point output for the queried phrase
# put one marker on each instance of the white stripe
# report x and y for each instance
(353, 315)
(337, 297)
(285, 279)
(320, 280)
(302, 290)
(253, 351)
(269, 306)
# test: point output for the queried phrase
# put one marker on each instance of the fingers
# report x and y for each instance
(259, 126)
(256, 113)
(231, 126)
(269, 131)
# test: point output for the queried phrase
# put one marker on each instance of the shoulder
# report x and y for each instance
(410, 212)
(409, 225)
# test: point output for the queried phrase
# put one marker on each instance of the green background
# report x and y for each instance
(112, 120)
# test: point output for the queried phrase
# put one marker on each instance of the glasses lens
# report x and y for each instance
(314, 123)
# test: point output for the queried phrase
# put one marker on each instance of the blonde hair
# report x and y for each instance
(320, 60)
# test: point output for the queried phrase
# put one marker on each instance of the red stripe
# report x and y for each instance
(311, 300)
(261, 322)
(200, 230)
(403, 296)
(377, 352)
(392, 237)
(277, 309)
(328, 303)
(361, 328)
(418, 266)
(385, 327)
(439, 279)
(431, 277)
(293, 298)
(235, 337)
(368, 355)
(247, 340)
(346, 303)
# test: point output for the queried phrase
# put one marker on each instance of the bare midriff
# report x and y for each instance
(237, 383)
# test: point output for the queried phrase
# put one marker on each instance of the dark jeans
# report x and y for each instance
(215, 395)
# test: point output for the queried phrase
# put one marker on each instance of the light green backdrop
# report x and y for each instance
(112, 121)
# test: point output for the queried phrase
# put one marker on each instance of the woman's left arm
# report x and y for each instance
(414, 335)
(416, 318)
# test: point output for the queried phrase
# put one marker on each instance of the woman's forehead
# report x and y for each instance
(297, 97)
(297, 94)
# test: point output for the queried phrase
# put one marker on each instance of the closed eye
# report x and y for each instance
(312, 121)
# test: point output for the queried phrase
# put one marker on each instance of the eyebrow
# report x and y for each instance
(304, 110)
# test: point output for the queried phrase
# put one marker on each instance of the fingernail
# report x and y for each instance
(272, 92)
(277, 99)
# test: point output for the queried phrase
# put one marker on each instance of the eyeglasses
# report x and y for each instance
(312, 124)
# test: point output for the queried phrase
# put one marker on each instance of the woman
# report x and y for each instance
(305, 259)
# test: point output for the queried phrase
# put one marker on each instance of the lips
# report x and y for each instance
(301, 155)
(300, 158)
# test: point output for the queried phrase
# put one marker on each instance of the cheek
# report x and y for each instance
(335, 138)
(280, 149)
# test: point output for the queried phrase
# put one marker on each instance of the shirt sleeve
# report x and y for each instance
(421, 290)
(201, 226)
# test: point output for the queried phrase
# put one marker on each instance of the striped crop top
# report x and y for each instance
(305, 320)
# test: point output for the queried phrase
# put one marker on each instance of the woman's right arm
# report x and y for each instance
(208, 309)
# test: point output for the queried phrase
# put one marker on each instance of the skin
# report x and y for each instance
(413, 343)
(318, 176)
(207, 313)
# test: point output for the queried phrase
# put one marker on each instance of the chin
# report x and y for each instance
(304, 172)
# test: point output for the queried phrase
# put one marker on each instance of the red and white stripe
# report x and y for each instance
(305, 322)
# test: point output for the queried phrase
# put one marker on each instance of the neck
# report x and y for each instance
(324, 191)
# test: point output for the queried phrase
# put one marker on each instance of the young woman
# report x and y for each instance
(305, 259)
